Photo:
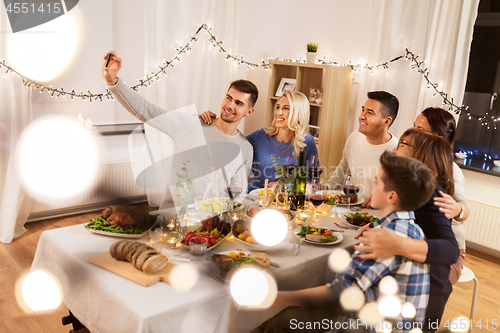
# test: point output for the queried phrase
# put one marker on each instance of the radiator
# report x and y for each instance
(482, 228)
(114, 183)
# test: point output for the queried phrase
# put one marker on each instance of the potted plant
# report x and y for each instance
(311, 53)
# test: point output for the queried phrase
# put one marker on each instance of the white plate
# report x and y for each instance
(338, 234)
(114, 234)
(344, 219)
(256, 192)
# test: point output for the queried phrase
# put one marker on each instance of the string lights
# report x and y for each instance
(149, 79)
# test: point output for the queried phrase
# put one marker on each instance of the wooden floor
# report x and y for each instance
(16, 259)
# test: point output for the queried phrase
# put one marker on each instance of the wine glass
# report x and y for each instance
(314, 168)
(234, 189)
(350, 188)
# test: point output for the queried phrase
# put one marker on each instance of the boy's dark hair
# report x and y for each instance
(390, 103)
(247, 87)
(411, 179)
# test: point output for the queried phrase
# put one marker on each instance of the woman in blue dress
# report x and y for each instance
(283, 140)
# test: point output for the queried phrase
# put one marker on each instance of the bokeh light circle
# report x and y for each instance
(57, 159)
(389, 306)
(369, 314)
(408, 310)
(352, 298)
(41, 291)
(269, 227)
(42, 52)
(183, 277)
(388, 286)
(251, 287)
(339, 260)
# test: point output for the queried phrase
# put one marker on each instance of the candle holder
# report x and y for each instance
(172, 239)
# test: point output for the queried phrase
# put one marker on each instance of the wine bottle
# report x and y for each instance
(298, 195)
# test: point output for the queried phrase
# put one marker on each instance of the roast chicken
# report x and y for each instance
(124, 216)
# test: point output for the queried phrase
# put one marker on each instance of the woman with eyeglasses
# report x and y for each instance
(440, 248)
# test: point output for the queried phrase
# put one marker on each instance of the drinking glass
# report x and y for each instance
(235, 187)
(156, 233)
(198, 247)
(314, 168)
(350, 188)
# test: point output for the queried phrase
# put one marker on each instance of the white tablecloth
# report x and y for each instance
(105, 302)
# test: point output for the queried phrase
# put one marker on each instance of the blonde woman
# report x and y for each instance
(284, 139)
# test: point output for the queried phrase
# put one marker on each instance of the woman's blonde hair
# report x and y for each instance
(298, 119)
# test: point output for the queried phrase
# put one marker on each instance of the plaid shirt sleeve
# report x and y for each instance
(412, 277)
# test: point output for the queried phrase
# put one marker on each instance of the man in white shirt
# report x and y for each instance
(363, 147)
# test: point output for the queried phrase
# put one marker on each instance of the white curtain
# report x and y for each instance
(15, 115)
(440, 31)
(168, 26)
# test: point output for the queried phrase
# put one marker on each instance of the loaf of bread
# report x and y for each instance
(261, 258)
(140, 255)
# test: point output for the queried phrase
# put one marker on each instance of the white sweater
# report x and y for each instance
(188, 133)
(362, 159)
(459, 196)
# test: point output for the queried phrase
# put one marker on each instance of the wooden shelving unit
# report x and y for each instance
(330, 116)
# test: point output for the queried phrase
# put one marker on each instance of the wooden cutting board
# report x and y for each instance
(128, 271)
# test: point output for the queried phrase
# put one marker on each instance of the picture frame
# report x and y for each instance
(316, 95)
(286, 84)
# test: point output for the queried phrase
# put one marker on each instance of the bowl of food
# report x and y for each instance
(254, 208)
(212, 228)
(241, 231)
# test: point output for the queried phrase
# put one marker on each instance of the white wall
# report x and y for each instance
(102, 26)
(343, 30)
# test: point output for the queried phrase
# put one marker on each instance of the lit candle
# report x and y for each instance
(88, 123)
(80, 120)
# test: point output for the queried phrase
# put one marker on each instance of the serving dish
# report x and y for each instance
(115, 234)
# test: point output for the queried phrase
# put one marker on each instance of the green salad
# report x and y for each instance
(305, 230)
(99, 223)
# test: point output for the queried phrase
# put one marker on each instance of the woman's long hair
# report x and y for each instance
(435, 152)
(298, 119)
(442, 123)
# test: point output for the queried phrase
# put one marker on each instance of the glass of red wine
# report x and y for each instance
(350, 188)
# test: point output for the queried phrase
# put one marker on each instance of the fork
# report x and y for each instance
(297, 249)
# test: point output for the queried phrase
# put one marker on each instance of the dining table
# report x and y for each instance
(105, 302)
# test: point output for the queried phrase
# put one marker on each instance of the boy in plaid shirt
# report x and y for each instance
(403, 184)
